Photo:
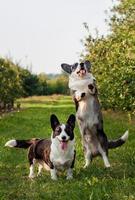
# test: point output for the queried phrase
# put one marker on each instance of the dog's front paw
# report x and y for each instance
(39, 174)
(54, 174)
(54, 178)
(107, 166)
(69, 177)
(31, 176)
(79, 95)
(92, 89)
(85, 166)
(69, 173)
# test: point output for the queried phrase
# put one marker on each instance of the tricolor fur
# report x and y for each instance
(80, 75)
(88, 113)
(57, 153)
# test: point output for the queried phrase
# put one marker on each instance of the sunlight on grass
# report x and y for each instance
(47, 101)
(95, 182)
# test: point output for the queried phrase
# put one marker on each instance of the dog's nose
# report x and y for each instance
(63, 137)
(82, 66)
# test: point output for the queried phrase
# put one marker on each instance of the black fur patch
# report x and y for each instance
(41, 151)
(69, 132)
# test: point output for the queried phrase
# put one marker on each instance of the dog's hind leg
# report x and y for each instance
(87, 159)
(40, 167)
(88, 156)
(32, 174)
(86, 147)
(104, 156)
(31, 161)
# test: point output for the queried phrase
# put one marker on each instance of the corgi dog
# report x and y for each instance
(57, 153)
(80, 75)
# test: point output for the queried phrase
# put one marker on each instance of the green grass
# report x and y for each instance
(94, 183)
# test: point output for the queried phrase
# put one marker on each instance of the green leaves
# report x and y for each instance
(113, 58)
(10, 83)
(17, 82)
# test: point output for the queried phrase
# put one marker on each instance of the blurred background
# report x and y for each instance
(37, 36)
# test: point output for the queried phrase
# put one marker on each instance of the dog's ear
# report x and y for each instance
(74, 66)
(71, 121)
(66, 68)
(54, 121)
(88, 65)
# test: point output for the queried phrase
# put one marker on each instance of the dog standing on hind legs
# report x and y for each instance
(88, 113)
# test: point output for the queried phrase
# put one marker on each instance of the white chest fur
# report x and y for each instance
(61, 159)
(86, 112)
(77, 83)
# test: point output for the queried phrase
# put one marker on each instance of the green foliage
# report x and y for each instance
(10, 83)
(58, 85)
(113, 58)
(94, 183)
(17, 82)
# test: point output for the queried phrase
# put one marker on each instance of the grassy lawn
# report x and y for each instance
(94, 183)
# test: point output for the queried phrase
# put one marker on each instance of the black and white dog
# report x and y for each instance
(57, 153)
(88, 113)
(80, 75)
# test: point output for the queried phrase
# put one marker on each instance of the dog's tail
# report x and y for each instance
(116, 143)
(21, 143)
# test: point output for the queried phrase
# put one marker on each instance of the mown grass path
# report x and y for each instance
(94, 183)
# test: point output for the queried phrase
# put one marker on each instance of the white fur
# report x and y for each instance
(45, 166)
(53, 174)
(78, 94)
(86, 111)
(78, 83)
(125, 136)
(31, 174)
(63, 133)
(87, 158)
(11, 143)
(58, 156)
(40, 167)
(104, 156)
(69, 174)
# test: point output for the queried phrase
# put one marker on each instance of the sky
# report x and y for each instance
(42, 34)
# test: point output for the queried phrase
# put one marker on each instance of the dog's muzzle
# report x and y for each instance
(82, 71)
(63, 143)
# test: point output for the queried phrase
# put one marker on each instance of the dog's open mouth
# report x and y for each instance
(63, 144)
(81, 72)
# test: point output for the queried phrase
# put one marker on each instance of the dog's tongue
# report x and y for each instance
(82, 72)
(63, 145)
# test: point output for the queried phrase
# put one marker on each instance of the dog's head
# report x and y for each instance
(77, 69)
(63, 133)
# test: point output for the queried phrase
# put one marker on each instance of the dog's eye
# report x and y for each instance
(58, 130)
(68, 130)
